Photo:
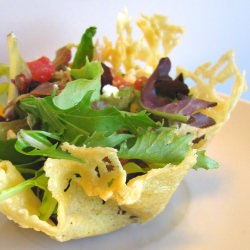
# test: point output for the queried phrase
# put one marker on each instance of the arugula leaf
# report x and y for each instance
(36, 143)
(89, 79)
(82, 119)
(38, 181)
(85, 48)
(41, 181)
(159, 146)
(48, 204)
(205, 162)
(44, 110)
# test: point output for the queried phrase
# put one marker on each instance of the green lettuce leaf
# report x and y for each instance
(85, 48)
(90, 71)
(48, 204)
(38, 143)
(159, 146)
(98, 139)
(125, 97)
(89, 80)
(8, 152)
(132, 167)
(82, 119)
(204, 161)
(38, 181)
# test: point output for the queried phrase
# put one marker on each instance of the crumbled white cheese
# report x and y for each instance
(109, 90)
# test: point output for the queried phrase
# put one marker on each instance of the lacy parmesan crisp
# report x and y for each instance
(93, 197)
(92, 203)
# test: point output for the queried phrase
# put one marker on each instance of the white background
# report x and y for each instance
(212, 27)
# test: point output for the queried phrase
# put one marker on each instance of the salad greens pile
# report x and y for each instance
(76, 111)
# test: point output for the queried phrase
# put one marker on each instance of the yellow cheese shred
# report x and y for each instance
(136, 57)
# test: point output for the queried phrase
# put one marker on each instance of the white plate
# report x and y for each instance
(209, 211)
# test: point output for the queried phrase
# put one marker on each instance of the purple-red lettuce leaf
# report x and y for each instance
(168, 98)
(200, 120)
(170, 88)
(186, 106)
(160, 85)
(106, 77)
(189, 107)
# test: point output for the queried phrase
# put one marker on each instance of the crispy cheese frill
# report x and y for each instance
(206, 78)
(93, 197)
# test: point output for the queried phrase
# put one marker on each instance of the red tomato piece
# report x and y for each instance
(120, 82)
(41, 69)
(139, 82)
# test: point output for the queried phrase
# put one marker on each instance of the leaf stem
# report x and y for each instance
(21, 187)
(169, 116)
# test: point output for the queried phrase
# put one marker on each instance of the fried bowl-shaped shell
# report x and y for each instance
(91, 201)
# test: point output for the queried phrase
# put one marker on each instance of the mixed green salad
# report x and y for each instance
(77, 99)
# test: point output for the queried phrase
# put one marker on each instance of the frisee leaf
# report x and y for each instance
(159, 146)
